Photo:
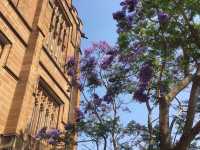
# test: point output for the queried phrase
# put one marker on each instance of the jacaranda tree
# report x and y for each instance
(159, 40)
(105, 80)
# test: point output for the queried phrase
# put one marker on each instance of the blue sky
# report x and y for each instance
(97, 19)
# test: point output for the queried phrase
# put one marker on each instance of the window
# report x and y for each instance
(45, 111)
(5, 47)
(61, 32)
(74, 34)
(58, 36)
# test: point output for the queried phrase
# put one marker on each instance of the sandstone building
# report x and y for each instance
(36, 39)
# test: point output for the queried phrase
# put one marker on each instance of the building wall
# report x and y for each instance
(36, 46)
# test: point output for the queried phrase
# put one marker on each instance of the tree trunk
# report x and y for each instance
(165, 143)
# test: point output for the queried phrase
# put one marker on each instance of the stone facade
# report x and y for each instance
(36, 39)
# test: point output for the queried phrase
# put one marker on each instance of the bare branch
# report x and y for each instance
(179, 87)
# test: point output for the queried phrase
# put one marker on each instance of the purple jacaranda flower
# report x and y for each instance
(119, 30)
(140, 95)
(163, 17)
(125, 17)
(129, 20)
(125, 24)
(119, 15)
(106, 62)
(146, 72)
(104, 46)
(91, 61)
(131, 4)
(113, 51)
(95, 45)
(123, 3)
(53, 133)
(88, 51)
(41, 134)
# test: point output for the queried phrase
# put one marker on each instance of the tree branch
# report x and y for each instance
(163, 115)
(188, 132)
(192, 106)
(179, 87)
(180, 110)
(186, 139)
